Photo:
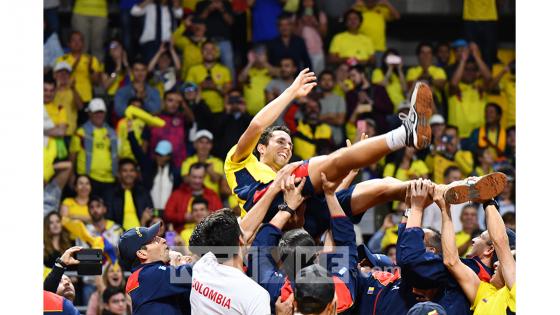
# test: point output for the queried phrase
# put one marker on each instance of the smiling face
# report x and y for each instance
(114, 276)
(83, 186)
(481, 246)
(117, 304)
(278, 151)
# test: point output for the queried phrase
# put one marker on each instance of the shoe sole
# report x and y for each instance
(422, 102)
(487, 187)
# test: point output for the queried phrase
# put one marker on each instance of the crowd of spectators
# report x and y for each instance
(138, 118)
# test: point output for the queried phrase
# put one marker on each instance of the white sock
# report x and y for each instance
(396, 138)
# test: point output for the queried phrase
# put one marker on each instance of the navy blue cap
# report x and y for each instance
(459, 43)
(427, 308)
(377, 260)
(132, 240)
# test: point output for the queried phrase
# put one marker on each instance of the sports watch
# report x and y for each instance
(284, 207)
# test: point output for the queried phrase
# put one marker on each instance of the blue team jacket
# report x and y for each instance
(264, 268)
(156, 288)
(423, 269)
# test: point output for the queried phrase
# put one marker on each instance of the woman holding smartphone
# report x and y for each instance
(391, 76)
(312, 27)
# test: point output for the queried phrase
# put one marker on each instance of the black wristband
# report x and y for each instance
(61, 263)
(284, 207)
(490, 202)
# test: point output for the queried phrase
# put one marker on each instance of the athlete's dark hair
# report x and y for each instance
(295, 251)
(219, 229)
(267, 134)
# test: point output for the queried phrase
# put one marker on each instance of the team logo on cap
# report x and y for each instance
(138, 231)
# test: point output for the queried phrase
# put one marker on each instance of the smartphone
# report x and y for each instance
(393, 60)
(90, 262)
(170, 238)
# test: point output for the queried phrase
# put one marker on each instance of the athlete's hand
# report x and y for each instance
(421, 191)
(292, 193)
(304, 83)
(329, 188)
(439, 191)
(286, 307)
(282, 174)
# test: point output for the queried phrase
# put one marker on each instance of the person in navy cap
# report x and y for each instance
(154, 286)
(427, 308)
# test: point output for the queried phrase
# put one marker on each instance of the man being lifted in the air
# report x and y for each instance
(249, 177)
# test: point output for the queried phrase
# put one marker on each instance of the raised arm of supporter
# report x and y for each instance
(251, 221)
(458, 74)
(419, 199)
(345, 271)
(301, 86)
(482, 67)
(499, 237)
(53, 278)
(465, 276)
(412, 255)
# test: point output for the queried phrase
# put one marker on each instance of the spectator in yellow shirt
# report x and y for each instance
(199, 211)
(311, 135)
(117, 69)
(77, 207)
(391, 76)
(426, 71)
(255, 77)
(450, 155)
(93, 148)
(376, 13)
(67, 95)
(189, 37)
(90, 18)
(215, 167)
(467, 99)
(213, 78)
(86, 69)
(470, 230)
(351, 44)
(57, 114)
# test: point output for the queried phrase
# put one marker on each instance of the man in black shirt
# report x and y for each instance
(288, 45)
(230, 124)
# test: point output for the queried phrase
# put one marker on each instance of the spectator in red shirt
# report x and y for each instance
(178, 207)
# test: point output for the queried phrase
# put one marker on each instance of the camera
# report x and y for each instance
(90, 262)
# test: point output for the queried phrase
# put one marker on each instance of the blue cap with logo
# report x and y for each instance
(377, 260)
(132, 240)
(427, 308)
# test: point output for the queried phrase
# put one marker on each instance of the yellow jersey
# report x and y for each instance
(254, 91)
(216, 163)
(467, 109)
(490, 300)
(220, 75)
(393, 87)
(192, 54)
(246, 178)
(391, 236)
(81, 73)
(91, 7)
(480, 10)
(125, 150)
(101, 162)
(461, 238)
(302, 145)
(57, 113)
(66, 99)
(373, 25)
(348, 45)
(74, 208)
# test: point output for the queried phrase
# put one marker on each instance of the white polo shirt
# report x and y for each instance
(221, 289)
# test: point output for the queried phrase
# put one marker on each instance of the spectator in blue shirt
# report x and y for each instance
(138, 88)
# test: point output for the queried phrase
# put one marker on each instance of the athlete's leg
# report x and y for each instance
(415, 131)
(376, 191)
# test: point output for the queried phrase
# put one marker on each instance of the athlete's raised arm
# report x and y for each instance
(301, 86)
